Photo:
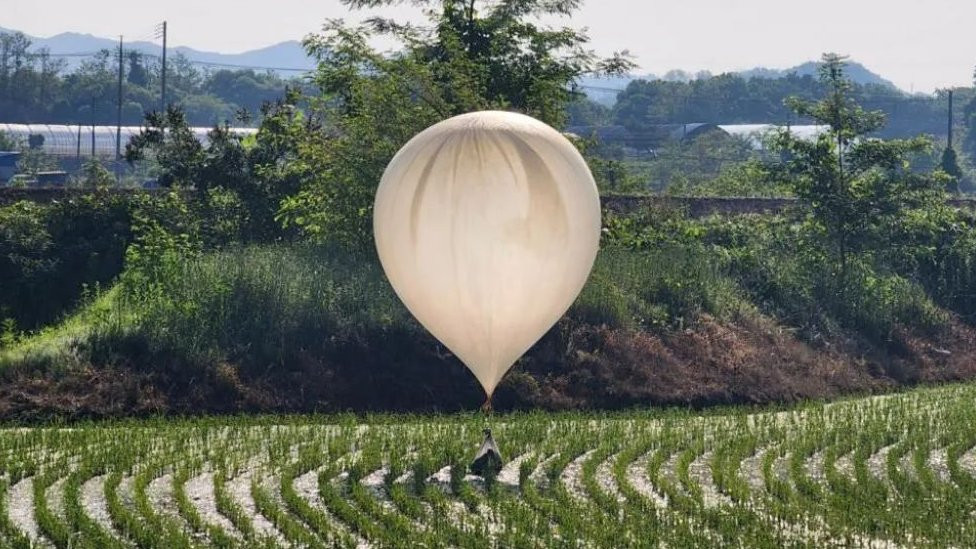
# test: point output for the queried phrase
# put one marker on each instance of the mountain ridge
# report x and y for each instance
(288, 55)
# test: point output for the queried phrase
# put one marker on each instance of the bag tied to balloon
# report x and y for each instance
(487, 226)
(488, 461)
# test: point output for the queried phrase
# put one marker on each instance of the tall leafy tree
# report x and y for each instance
(137, 75)
(858, 191)
(29, 79)
(169, 141)
(91, 89)
(470, 55)
(950, 165)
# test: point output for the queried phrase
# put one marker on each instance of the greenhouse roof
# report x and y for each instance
(72, 140)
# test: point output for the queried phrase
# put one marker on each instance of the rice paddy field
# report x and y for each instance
(893, 471)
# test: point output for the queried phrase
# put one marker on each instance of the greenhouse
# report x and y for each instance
(756, 133)
(70, 140)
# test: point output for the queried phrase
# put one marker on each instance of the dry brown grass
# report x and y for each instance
(751, 360)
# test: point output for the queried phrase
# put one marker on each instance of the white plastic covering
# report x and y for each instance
(487, 226)
(69, 140)
(755, 133)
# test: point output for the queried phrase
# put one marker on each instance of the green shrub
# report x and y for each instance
(793, 280)
(262, 305)
(48, 253)
(778, 263)
(270, 306)
(662, 287)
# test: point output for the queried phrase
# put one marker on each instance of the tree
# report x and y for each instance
(856, 190)
(181, 160)
(257, 170)
(29, 79)
(14, 55)
(94, 175)
(168, 140)
(950, 165)
(584, 112)
(91, 87)
(244, 89)
(472, 55)
(137, 74)
(737, 99)
(183, 78)
(8, 143)
(35, 89)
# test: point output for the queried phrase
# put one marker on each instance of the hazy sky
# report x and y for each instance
(920, 45)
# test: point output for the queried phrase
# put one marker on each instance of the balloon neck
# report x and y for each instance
(486, 407)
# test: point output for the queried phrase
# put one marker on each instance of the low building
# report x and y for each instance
(8, 165)
(757, 133)
(649, 138)
(645, 139)
(55, 178)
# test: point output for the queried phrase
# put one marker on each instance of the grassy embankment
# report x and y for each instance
(685, 312)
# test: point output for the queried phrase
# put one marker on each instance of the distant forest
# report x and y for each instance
(734, 99)
(36, 88)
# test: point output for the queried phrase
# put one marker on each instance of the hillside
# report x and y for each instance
(855, 71)
(662, 327)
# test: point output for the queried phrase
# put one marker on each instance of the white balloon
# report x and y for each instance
(487, 226)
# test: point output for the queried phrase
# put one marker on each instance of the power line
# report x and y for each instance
(161, 30)
(869, 99)
(599, 88)
(79, 54)
(236, 66)
(878, 100)
(194, 62)
(143, 36)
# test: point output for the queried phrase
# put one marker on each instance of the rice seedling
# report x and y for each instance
(892, 471)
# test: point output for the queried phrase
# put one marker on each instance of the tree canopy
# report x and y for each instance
(859, 191)
(735, 99)
(471, 55)
(36, 88)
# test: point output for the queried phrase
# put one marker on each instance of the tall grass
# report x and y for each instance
(810, 292)
(666, 287)
(268, 306)
(265, 305)
(260, 307)
(62, 346)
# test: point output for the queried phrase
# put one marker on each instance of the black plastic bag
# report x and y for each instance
(488, 461)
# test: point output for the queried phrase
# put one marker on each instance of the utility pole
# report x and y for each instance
(93, 125)
(118, 125)
(949, 132)
(162, 31)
